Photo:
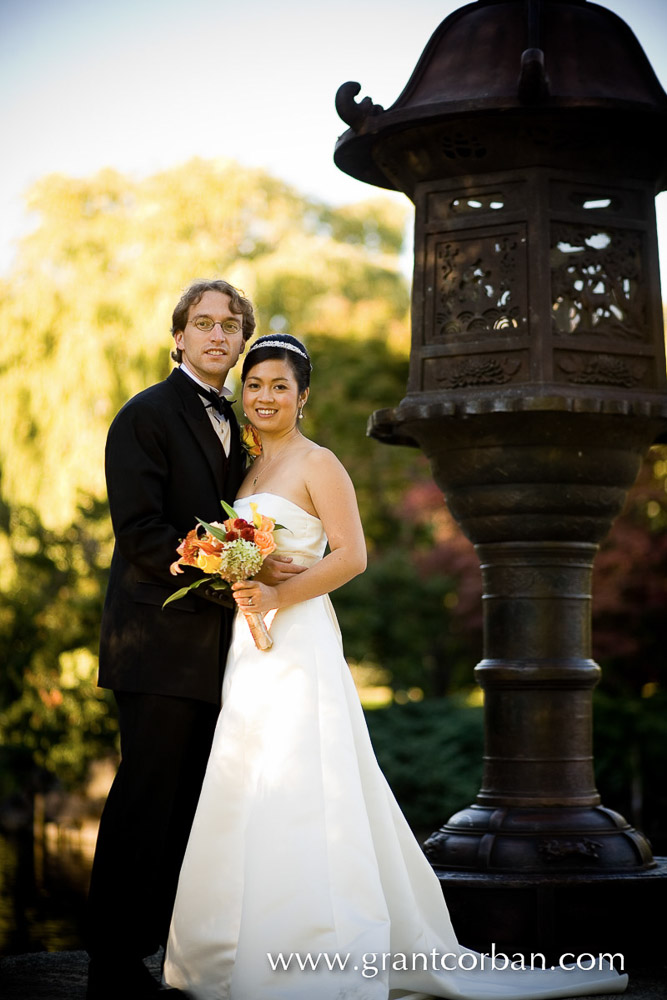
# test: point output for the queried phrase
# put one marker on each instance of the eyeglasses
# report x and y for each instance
(206, 324)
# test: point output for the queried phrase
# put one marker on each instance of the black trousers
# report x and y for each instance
(165, 745)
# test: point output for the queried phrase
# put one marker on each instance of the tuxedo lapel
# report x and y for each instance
(196, 418)
(236, 461)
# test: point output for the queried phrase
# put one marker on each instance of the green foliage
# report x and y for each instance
(50, 607)
(91, 297)
(89, 305)
(630, 743)
(431, 755)
(630, 588)
(379, 232)
(352, 376)
(395, 617)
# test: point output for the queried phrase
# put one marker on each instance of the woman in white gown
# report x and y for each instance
(302, 879)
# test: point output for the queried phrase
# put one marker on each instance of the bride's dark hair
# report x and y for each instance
(280, 347)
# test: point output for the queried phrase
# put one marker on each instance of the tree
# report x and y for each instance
(89, 304)
(50, 605)
(630, 588)
(90, 299)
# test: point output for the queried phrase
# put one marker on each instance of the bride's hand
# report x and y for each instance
(251, 595)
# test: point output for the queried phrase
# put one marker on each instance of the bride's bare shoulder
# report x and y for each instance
(315, 454)
(324, 468)
(322, 458)
(316, 469)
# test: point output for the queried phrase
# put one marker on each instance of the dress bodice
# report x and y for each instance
(302, 536)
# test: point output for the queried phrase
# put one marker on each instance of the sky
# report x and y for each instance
(143, 85)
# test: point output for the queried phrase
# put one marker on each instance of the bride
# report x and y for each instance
(302, 879)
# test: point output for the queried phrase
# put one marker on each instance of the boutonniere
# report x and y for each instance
(251, 441)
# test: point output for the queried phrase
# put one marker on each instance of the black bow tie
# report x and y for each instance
(218, 402)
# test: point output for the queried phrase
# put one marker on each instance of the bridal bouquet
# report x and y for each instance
(228, 552)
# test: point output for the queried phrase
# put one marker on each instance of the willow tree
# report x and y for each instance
(90, 299)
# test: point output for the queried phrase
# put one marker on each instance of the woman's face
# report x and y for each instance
(271, 397)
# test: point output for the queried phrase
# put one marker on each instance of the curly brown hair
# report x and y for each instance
(192, 295)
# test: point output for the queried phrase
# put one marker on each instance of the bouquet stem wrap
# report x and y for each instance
(258, 630)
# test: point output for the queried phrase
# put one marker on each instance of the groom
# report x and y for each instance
(173, 452)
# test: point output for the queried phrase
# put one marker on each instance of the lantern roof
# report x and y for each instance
(493, 56)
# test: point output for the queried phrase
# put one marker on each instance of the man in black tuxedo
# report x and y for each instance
(173, 453)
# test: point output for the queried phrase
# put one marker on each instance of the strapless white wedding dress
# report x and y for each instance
(299, 854)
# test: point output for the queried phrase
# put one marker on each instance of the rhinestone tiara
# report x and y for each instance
(279, 343)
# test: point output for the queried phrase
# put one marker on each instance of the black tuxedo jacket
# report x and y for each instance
(165, 466)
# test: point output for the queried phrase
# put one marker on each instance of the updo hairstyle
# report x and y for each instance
(270, 348)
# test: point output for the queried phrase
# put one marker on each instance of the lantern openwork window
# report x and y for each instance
(536, 281)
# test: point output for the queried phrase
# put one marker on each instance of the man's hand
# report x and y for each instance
(217, 596)
(275, 569)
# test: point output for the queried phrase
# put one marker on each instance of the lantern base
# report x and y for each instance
(551, 842)
(581, 915)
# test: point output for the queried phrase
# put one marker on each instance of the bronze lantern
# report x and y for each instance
(531, 138)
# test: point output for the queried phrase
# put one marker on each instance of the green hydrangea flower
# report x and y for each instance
(240, 560)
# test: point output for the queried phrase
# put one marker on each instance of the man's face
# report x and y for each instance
(210, 354)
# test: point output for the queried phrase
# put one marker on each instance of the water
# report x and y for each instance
(43, 887)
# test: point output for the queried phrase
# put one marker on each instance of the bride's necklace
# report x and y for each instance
(265, 468)
(271, 461)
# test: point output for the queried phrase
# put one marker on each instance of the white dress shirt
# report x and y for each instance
(219, 422)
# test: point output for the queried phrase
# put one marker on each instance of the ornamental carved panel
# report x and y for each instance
(479, 287)
(476, 370)
(601, 369)
(596, 282)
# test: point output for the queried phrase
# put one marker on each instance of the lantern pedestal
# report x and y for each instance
(535, 491)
